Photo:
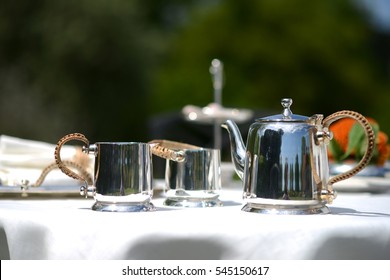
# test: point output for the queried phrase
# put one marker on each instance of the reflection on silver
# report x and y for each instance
(122, 176)
(280, 165)
(196, 181)
(283, 165)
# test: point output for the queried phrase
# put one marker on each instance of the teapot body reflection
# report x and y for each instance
(284, 166)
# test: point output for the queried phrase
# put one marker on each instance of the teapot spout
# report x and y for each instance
(237, 147)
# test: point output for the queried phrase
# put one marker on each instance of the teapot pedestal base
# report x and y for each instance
(295, 209)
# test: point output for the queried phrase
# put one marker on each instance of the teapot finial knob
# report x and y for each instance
(286, 103)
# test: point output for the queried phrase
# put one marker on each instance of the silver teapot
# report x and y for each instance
(284, 166)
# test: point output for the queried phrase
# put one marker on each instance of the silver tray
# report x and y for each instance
(40, 192)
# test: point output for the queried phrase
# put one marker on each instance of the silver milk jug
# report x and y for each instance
(123, 174)
(192, 174)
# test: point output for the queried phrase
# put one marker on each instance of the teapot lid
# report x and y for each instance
(286, 115)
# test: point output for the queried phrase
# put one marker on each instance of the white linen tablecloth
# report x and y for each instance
(358, 228)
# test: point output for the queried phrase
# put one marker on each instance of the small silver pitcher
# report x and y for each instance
(123, 174)
(192, 174)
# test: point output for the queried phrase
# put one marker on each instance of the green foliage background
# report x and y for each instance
(321, 56)
(104, 68)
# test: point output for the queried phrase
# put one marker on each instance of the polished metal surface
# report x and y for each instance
(123, 207)
(192, 202)
(284, 160)
(122, 176)
(194, 182)
(286, 210)
(237, 147)
(278, 162)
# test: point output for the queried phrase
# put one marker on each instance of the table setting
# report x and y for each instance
(300, 188)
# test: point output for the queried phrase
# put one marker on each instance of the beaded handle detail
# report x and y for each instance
(53, 166)
(170, 149)
(61, 164)
(370, 142)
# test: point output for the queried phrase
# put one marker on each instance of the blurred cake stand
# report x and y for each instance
(214, 113)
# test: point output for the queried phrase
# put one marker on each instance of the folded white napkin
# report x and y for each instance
(23, 159)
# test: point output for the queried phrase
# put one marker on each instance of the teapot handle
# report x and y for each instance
(57, 155)
(370, 140)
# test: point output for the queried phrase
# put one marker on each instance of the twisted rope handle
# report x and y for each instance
(53, 166)
(170, 149)
(370, 142)
(61, 164)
